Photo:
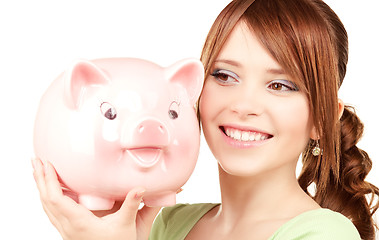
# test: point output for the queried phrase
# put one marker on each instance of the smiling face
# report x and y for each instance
(254, 117)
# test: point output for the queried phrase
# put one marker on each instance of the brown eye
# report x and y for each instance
(108, 111)
(277, 86)
(173, 111)
(223, 77)
(282, 86)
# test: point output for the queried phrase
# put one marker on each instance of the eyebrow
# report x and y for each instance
(227, 61)
(277, 71)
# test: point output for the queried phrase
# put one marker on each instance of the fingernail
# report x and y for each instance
(140, 194)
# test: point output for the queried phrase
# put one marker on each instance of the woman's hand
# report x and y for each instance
(74, 221)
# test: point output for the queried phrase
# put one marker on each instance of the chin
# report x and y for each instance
(241, 169)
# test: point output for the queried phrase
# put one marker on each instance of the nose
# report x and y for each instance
(150, 132)
(247, 102)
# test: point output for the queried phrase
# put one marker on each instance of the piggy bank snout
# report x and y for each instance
(151, 132)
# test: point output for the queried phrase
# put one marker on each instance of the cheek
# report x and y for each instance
(207, 102)
(293, 118)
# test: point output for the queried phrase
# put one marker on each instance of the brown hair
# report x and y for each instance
(309, 41)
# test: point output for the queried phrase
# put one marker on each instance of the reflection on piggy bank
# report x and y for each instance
(109, 125)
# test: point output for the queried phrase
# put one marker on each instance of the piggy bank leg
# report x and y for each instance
(96, 203)
(161, 200)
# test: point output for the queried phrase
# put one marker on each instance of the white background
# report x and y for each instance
(39, 39)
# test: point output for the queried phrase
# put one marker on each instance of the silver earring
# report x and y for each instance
(316, 150)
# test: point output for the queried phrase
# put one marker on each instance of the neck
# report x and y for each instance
(267, 197)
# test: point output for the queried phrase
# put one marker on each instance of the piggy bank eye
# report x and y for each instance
(108, 111)
(173, 111)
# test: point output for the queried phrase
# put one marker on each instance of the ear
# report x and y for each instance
(82, 75)
(341, 108)
(314, 134)
(188, 73)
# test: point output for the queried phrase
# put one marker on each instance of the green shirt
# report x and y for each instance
(174, 223)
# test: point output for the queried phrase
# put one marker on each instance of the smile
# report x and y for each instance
(245, 136)
(146, 157)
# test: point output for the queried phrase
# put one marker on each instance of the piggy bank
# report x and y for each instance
(109, 125)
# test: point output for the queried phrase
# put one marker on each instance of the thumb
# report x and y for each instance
(129, 208)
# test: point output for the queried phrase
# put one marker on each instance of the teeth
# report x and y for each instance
(258, 136)
(245, 135)
(252, 136)
(237, 134)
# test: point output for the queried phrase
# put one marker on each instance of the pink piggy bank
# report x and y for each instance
(109, 125)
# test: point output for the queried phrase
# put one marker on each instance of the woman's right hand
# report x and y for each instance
(75, 222)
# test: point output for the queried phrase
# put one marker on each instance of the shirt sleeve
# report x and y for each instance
(157, 228)
(170, 223)
(160, 224)
(176, 222)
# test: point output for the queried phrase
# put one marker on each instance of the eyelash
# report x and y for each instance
(290, 86)
(219, 73)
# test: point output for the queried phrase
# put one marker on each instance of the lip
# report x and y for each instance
(145, 157)
(244, 144)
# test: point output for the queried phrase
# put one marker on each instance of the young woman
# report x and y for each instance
(273, 69)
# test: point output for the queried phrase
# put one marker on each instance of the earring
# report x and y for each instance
(316, 150)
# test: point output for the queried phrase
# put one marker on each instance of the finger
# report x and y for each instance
(39, 176)
(57, 203)
(129, 208)
(62, 211)
(53, 187)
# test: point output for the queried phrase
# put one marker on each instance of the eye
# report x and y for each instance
(225, 77)
(173, 111)
(108, 111)
(282, 85)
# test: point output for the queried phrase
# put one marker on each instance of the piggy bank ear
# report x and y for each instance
(81, 76)
(190, 74)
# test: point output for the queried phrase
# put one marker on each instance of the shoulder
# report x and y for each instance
(178, 220)
(318, 224)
